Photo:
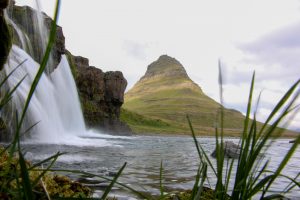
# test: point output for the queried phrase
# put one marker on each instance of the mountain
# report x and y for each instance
(167, 93)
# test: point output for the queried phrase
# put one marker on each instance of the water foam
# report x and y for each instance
(54, 106)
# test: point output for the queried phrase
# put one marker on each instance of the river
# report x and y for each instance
(104, 155)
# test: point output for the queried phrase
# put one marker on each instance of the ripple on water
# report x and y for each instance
(144, 154)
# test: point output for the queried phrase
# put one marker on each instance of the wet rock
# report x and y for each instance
(231, 150)
(292, 141)
(25, 18)
(5, 40)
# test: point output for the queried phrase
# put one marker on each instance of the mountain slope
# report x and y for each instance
(166, 93)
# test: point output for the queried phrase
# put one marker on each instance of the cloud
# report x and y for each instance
(275, 59)
(277, 52)
(135, 49)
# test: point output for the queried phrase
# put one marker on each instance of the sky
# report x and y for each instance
(245, 36)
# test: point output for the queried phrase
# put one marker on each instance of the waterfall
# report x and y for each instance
(54, 109)
(55, 104)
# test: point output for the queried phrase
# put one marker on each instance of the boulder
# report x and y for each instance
(231, 150)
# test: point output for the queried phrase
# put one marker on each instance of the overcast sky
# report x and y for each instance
(260, 35)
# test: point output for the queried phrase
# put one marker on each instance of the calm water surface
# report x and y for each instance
(104, 155)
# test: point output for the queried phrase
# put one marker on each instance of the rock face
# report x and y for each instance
(5, 40)
(101, 94)
(231, 150)
(25, 18)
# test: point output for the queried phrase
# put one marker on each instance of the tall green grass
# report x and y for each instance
(252, 177)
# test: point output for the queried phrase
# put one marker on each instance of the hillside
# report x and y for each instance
(167, 93)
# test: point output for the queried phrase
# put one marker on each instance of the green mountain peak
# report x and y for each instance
(166, 93)
(165, 66)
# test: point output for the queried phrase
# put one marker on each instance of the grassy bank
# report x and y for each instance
(143, 125)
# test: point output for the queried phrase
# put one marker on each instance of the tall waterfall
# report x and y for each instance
(55, 104)
(54, 108)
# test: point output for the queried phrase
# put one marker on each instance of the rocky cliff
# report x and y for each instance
(25, 18)
(101, 93)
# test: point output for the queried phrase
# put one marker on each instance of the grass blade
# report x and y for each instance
(203, 178)
(195, 188)
(273, 196)
(108, 189)
(161, 187)
(46, 160)
(7, 76)
(283, 163)
(8, 95)
(280, 104)
(199, 147)
(27, 188)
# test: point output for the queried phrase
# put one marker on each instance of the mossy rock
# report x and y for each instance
(57, 186)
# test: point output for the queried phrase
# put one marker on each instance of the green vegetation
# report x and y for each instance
(252, 176)
(142, 124)
(72, 64)
(48, 184)
(166, 93)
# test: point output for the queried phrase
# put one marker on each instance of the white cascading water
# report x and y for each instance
(55, 105)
